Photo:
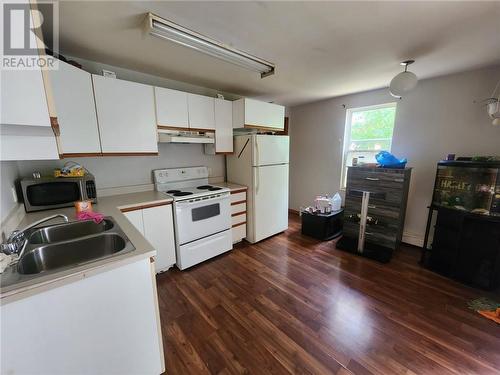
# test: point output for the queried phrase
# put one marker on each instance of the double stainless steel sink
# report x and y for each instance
(62, 246)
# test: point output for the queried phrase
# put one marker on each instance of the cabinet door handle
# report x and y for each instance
(368, 233)
(399, 180)
(371, 178)
(372, 206)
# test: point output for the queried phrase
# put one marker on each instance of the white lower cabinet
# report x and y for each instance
(156, 224)
(135, 217)
(104, 323)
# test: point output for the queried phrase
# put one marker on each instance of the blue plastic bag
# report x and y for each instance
(388, 160)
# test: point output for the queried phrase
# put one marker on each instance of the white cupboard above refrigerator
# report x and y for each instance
(261, 163)
(254, 114)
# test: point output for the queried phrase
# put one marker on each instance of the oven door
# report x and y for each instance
(202, 217)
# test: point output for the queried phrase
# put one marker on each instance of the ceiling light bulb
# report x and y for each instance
(403, 82)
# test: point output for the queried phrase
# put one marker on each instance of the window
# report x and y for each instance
(368, 130)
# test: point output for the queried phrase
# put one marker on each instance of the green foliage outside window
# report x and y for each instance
(375, 124)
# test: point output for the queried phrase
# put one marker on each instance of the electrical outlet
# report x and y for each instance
(14, 194)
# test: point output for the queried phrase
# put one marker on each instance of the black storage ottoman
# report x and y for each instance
(322, 226)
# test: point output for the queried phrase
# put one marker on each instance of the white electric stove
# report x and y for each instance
(202, 214)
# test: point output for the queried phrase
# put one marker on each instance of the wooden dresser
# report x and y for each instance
(386, 208)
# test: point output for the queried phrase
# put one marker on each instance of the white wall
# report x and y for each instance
(135, 170)
(8, 174)
(437, 118)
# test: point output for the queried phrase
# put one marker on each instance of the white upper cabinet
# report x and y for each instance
(201, 112)
(75, 106)
(25, 128)
(171, 108)
(126, 116)
(223, 125)
(250, 113)
(23, 98)
(25, 131)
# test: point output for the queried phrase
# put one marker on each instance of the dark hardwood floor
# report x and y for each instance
(291, 304)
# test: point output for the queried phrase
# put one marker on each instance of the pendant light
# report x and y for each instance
(403, 82)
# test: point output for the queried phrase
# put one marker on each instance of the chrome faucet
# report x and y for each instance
(17, 239)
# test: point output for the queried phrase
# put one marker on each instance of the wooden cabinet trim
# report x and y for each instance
(236, 191)
(130, 154)
(168, 127)
(54, 124)
(143, 206)
(100, 154)
(80, 154)
(263, 127)
(239, 202)
(237, 225)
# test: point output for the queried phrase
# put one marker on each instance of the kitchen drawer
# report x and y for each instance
(350, 229)
(238, 219)
(393, 179)
(236, 209)
(382, 238)
(238, 197)
(387, 187)
(239, 232)
(377, 234)
(377, 191)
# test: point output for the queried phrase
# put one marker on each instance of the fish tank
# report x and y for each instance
(468, 186)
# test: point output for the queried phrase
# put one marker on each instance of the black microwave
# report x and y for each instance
(47, 193)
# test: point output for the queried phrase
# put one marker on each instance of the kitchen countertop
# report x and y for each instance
(231, 186)
(108, 206)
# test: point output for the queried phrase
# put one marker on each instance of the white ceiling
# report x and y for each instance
(321, 49)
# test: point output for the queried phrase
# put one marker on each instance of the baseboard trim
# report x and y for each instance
(413, 239)
(292, 211)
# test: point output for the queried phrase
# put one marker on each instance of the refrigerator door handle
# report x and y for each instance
(257, 182)
(256, 151)
(243, 149)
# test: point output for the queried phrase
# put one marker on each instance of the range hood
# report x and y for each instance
(184, 137)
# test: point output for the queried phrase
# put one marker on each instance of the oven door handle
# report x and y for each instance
(202, 201)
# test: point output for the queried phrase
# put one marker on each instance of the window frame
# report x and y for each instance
(347, 134)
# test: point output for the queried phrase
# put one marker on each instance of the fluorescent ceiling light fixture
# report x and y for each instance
(165, 29)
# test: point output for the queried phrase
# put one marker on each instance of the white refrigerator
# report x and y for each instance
(260, 162)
